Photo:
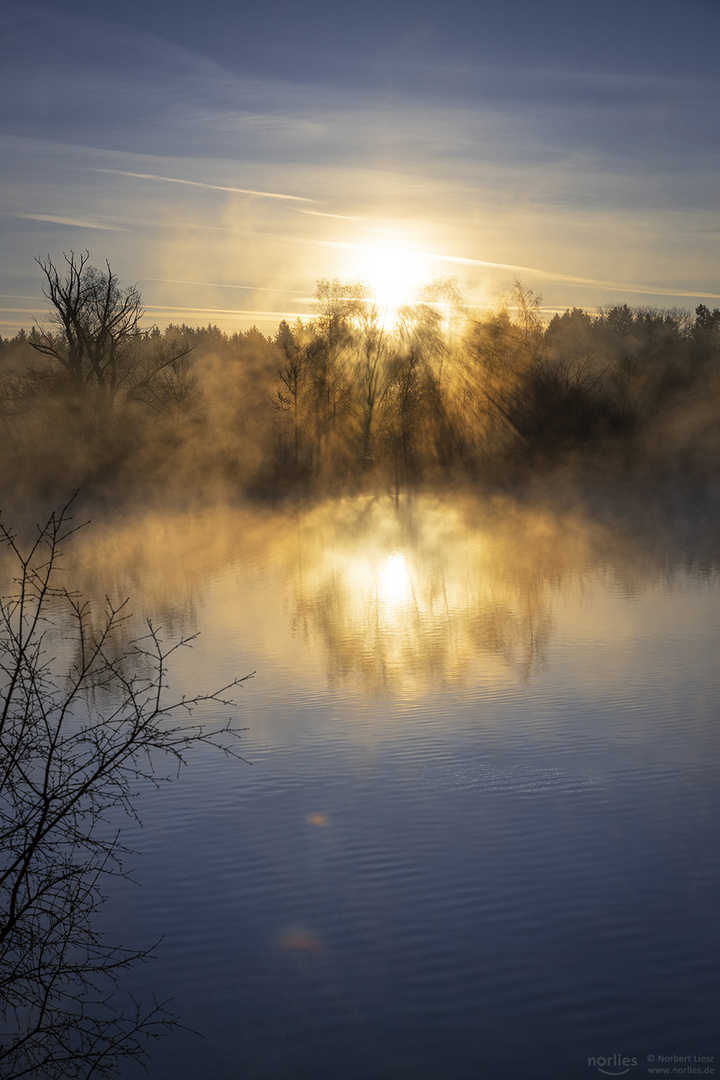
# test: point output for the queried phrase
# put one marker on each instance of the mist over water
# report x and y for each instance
(389, 596)
(478, 830)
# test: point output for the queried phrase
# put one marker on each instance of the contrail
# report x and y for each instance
(221, 285)
(202, 184)
(568, 279)
(321, 213)
(158, 309)
(77, 223)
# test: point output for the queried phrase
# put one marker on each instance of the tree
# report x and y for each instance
(494, 366)
(74, 747)
(292, 374)
(97, 342)
(341, 307)
(705, 333)
(370, 374)
(402, 412)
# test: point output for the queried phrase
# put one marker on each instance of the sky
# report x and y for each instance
(225, 157)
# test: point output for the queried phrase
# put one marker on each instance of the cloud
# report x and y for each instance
(535, 272)
(199, 314)
(74, 222)
(503, 170)
(321, 213)
(225, 285)
(570, 279)
(203, 184)
(215, 311)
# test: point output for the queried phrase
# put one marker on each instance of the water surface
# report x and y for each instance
(478, 833)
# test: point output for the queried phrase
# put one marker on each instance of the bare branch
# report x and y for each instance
(74, 748)
(96, 341)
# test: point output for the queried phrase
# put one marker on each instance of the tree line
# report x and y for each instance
(345, 399)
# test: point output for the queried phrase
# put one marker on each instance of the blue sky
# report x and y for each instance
(225, 157)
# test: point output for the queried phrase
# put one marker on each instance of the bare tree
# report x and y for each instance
(292, 375)
(371, 378)
(75, 745)
(97, 341)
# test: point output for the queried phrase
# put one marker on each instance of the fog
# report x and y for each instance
(429, 396)
(373, 594)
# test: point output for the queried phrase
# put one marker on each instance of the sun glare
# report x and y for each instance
(394, 276)
(394, 581)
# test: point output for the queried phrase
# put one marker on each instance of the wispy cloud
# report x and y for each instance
(202, 314)
(220, 311)
(322, 213)
(608, 175)
(73, 222)
(221, 285)
(212, 187)
(550, 275)
(571, 279)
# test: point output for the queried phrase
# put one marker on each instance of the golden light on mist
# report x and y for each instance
(401, 599)
(395, 276)
(382, 597)
(401, 273)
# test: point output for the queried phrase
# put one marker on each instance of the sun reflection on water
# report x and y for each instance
(404, 598)
(394, 580)
(386, 597)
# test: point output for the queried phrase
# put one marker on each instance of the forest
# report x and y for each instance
(348, 400)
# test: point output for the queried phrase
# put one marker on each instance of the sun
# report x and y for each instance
(394, 276)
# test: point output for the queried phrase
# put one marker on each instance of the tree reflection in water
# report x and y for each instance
(394, 598)
(404, 598)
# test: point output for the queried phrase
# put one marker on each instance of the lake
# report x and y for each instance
(477, 831)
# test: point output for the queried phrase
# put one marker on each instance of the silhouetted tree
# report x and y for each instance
(292, 374)
(494, 365)
(402, 415)
(341, 308)
(97, 343)
(75, 745)
(705, 333)
(570, 335)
